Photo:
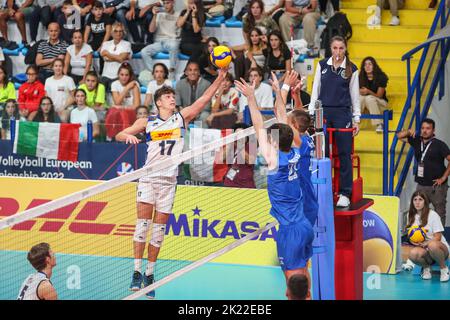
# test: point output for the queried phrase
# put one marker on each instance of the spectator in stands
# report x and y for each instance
(114, 52)
(224, 105)
(435, 248)
(142, 112)
(189, 89)
(82, 114)
(372, 90)
(336, 84)
(215, 9)
(49, 51)
(10, 10)
(98, 29)
(46, 12)
(431, 173)
(10, 110)
(297, 287)
(31, 92)
(60, 88)
(117, 10)
(252, 56)
(7, 90)
(297, 11)
(393, 5)
(323, 7)
(241, 172)
(256, 17)
(46, 111)
(83, 6)
(160, 78)
(141, 14)
(263, 91)
(191, 21)
(95, 94)
(207, 69)
(126, 91)
(278, 56)
(164, 25)
(67, 23)
(274, 8)
(78, 58)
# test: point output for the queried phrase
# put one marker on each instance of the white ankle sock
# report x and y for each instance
(150, 268)
(138, 265)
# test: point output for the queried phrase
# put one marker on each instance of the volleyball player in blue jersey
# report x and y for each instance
(299, 122)
(295, 234)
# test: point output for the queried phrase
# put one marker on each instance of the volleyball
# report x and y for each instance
(221, 56)
(416, 234)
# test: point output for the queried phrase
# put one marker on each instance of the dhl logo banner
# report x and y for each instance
(166, 134)
(205, 219)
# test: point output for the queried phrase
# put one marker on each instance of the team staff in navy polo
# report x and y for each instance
(336, 85)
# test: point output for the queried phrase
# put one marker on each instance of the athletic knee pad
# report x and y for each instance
(158, 233)
(141, 231)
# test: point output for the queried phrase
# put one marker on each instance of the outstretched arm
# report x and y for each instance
(267, 149)
(128, 135)
(189, 113)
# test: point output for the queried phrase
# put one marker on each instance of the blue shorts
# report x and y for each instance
(294, 245)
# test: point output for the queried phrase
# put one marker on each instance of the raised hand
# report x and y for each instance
(291, 78)
(275, 83)
(243, 87)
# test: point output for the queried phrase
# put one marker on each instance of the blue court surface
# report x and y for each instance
(96, 278)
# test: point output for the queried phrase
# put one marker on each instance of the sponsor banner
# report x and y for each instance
(380, 234)
(205, 220)
(96, 161)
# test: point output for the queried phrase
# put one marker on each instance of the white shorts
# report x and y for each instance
(160, 194)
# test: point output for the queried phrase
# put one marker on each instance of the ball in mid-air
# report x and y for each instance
(221, 56)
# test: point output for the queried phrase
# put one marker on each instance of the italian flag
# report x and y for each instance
(47, 140)
(210, 166)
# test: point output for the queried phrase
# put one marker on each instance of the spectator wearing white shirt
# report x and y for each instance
(46, 12)
(126, 90)
(435, 247)
(78, 58)
(160, 75)
(82, 114)
(60, 88)
(263, 92)
(224, 105)
(164, 25)
(114, 52)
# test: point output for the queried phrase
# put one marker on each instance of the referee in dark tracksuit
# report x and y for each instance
(336, 85)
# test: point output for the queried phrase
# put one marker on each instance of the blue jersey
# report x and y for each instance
(283, 186)
(310, 205)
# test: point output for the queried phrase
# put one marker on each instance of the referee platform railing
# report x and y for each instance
(386, 116)
(429, 77)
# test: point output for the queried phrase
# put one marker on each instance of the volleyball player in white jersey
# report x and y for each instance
(156, 192)
(38, 286)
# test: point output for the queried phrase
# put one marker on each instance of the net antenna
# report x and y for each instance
(319, 136)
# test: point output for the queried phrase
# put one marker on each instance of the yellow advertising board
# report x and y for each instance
(205, 219)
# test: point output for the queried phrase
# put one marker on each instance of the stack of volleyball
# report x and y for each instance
(417, 234)
(221, 56)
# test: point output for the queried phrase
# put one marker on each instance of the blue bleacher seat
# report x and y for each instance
(183, 56)
(14, 52)
(143, 89)
(96, 54)
(20, 77)
(137, 55)
(215, 21)
(302, 58)
(233, 22)
(161, 56)
(17, 85)
(24, 51)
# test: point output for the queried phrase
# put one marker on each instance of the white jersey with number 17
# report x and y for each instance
(165, 139)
